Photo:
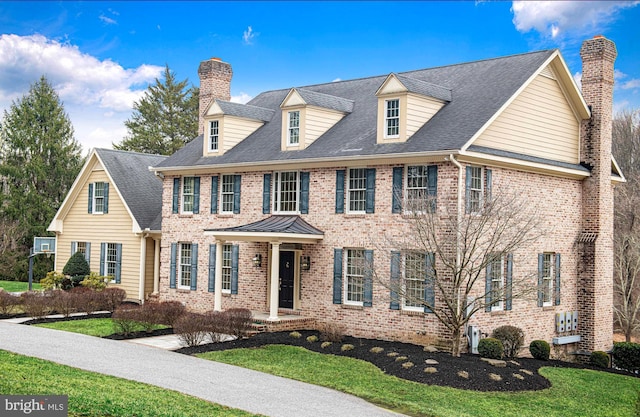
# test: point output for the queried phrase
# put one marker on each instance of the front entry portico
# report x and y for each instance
(276, 230)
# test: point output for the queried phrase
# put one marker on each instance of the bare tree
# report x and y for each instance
(626, 148)
(458, 251)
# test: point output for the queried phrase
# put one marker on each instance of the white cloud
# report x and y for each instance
(336, 80)
(577, 77)
(242, 98)
(107, 20)
(248, 36)
(623, 83)
(550, 18)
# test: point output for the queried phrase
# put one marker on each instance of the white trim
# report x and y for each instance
(348, 191)
(345, 284)
(386, 134)
(179, 266)
(221, 190)
(182, 179)
(289, 127)
(217, 135)
(500, 306)
(264, 236)
(277, 180)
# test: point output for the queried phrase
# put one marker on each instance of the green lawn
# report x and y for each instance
(91, 327)
(97, 395)
(15, 286)
(574, 392)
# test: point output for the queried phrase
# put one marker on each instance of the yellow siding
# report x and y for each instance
(236, 130)
(113, 227)
(318, 121)
(148, 278)
(539, 122)
(419, 111)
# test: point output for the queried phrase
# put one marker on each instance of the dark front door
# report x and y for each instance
(286, 279)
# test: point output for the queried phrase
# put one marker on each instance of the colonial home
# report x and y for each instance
(112, 215)
(277, 204)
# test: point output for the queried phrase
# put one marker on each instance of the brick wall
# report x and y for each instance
(215, 82)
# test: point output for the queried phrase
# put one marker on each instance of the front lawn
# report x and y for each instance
(17, 286)
(574, 392)
(92, 327)
(92, 394)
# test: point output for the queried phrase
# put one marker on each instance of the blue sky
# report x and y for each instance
(101, 56)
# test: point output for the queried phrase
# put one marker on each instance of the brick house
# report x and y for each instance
(277, 204)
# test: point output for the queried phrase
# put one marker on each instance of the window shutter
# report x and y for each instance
(196, 195)
(508, 292)
(103, 250)
(74, 247)
(467, 191)
(370, 203)
(90, 206)
(237, 181)
(340, 191)
(429, 283)
(234, 268)
(172, 266)
(176, 194)
(337, 276)
(487, 289)
(368, 279)
(194, 266)
(395, 280)
(488, 184)
(118, 261)
(212, 268)
(432, 186)
(304, 192)
(540, 268)
(214, 194)
(396, 198)
(105, 210)
(557, 283)
(87, 254)
(266, 194)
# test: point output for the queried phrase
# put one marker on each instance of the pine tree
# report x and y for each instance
(165, 119)
(39, 160)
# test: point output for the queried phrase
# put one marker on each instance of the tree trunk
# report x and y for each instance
(455, 347)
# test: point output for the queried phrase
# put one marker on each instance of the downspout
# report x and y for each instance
(459, 219)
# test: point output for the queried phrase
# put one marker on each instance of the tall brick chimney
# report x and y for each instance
(215, 82)
(595, 289)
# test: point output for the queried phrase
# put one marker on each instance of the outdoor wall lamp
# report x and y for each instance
(305, 263)
(257, 260)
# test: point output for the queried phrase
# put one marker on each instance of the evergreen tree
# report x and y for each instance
(165, 119)
(39, 160)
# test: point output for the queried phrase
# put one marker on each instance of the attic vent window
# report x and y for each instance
(293, 136)
(213, 135)
(392, 118)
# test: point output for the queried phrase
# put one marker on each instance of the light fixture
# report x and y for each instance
(257, 260)
(305, 263)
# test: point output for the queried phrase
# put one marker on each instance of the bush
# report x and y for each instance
(53, 281)
(626, 355)
(347, 347)
(8, 302)
(540, 349)
(295, 335)
(86, 300)
(312, 338)
(94, 281)
(112, 297)
(599, 359)
(147, 316)
(512, 339)
(191, 328)
(217, 325)
(63, 302)
(36, 304)
(332, 332)
(124, 319)
(239, 321)
(169, 312)
(77, 268)
(490, 348)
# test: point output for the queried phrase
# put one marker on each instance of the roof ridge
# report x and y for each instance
(129, 152)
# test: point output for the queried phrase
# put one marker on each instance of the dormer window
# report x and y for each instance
(293, 135)
(214, 135)
(392, 118)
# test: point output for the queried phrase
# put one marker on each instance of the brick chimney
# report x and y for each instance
(595, 275)
(215, 82)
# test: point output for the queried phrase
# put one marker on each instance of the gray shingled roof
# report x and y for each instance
(478, 90)
(326, 101)
(245, 110)
(424, 88)
(140, 188)
(275, 224)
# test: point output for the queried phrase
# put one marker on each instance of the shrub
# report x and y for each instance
(540, 349)
(626, 355)
(346, 347)
(76, 267)
(401, 358)
(124, 319)
(491, 348)
(295, 335)
(95, 281)
(169, 312)
(239, 321)
(216, 325)
(599, 359)
(512, 339)
(407, 365)
(191, 328)
(63, 302)
(325, 345)
(332, 332)
(86, 300)
(312, 338)
(147, 316)
(8, 302)
(36, 304)
(53, 281)
(376, 349)
(112, 297)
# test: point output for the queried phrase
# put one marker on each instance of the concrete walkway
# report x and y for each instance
(228, 385)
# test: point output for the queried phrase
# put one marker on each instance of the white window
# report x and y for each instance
(496, 284)
(414, 276)
(98, 198)
(111, 260)
(188, 194)
(226, 194)
(476, 189)
(357, 190)
(354, 269)
(184, 266)
(417, 188)
(547, 278)
(286, 192)
(392, 118)
(227, 263)
(293, 133)
(82, 248)
(213, 135)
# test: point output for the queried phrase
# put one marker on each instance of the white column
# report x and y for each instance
(156, 266)
(275, 281)
(217, 300)
(143, 268)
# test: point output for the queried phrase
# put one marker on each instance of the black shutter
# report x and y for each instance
(429, 283)
(557, 283)
(196, 195)
(540, 280)
(467, 190)
(105, 206)
(395, 280)
(214, 194)
(234, 268)
(212, 268)
(432, 186)
(370, 203)
(508, 292)
(488, 299)
(237, 180)
(176, 194)
(172, 266)
(368, 279)
(337, 276)
(194, 266)
(396, 198)
(304, 192)
(266, 194)
(90, 206)
(340, 191)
